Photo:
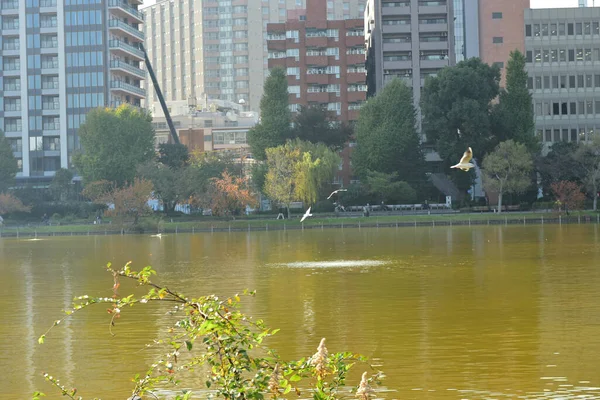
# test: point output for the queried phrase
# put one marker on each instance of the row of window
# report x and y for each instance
(226, 9)
(537, 56)
(330, 106)
(228, 84)
(83, 18)
(85, 79)
(85, 38)
(215, 23)
(85, 59)
(227, 60)
(85, 100)
(583, 107)
(583, 133)
(229, 138)
(580, 81)
(216, 73)
(226, 35)
(226, 47)
(10, 22)
(562, 29)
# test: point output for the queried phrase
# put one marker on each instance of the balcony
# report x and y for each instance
(354, 41)
(433, 45)
(316, 41)
(128, 68)
(433, 9)
(276, 45)
(400, 28)
(353, 59)
(355, 97)
(402, 10)
(127, 88)
(434, 63)
(10, 7)
(425, 27)
(126, 29)
(321, 79)
(320, 60)
(124, 10)
(317, 97)
(397, 46)
(127, 49)
(356, 77)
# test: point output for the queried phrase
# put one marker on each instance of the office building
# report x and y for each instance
(325, 64)
(60, 58)
(408, 39)
(501, 31)
(466, 29)
(217, 49)
(222, 126)
(563, 58)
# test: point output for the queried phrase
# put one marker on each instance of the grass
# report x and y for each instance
(152, 224)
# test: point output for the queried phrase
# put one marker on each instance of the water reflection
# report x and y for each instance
(447, 312)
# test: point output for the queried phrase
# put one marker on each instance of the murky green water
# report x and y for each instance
(448, 313)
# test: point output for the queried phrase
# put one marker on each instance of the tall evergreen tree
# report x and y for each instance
(386, 137)
(275, 116)
(514, 118)
(8, 164)
(456, 107)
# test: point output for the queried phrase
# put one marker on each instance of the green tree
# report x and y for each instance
(314, 124)
(387, 189)
(8, 164)
(559, 165)
(386, 137)
(173, 155)
(169, 183)
(114, 142)
(273, 128)
(456, 108)
(513, 116)
(299, 171)
(588, 157)
(507, 169)
(61, 185)
(196, 179)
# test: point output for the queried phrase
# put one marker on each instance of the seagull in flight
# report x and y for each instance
(336, 191)
(306, 215)
(465, 163)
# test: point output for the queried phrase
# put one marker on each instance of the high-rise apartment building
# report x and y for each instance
(408, 39)
(466, 29)
(501, 31)
(61, 58)
(325, 64)
(216, 49)
(562, 49)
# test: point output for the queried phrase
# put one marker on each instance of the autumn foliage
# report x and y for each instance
(130, 202)
(10, 204)
(229, 195)
(568, 195)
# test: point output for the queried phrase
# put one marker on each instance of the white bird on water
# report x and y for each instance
(158, 235)
(336, 191)
(306, 215)
(465, 163)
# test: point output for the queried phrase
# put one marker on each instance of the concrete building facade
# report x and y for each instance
(61, 58)
(217, 49)
(325, 64)
(408, 39)
(501, 31)
(562, 49)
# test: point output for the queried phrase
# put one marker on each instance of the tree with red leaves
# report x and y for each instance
(10, 204)
(229, 195)
(569, 195)
(130, 202)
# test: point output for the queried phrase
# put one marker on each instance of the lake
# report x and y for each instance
(446, 312)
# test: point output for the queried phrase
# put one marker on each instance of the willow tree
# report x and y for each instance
(298, 171)
(507, 169)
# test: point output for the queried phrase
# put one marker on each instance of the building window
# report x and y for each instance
(497, 39)
(570, 30)
(528, 30)
(496, 15)
(499, 64)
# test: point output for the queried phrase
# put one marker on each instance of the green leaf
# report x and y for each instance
(208, 383)
(188, 344)
(287, 389)
(295, 378)
(41, 339)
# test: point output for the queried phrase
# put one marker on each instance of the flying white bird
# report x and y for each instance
(306, 215)
(464, 163)
(336, 191)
